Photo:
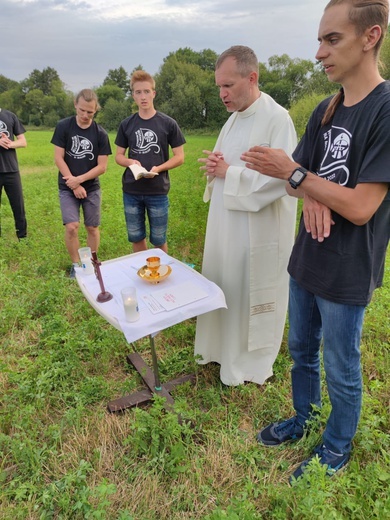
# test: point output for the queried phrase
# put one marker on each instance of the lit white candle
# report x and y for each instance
(130, 303)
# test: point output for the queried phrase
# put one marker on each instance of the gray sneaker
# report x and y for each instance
(277, 433)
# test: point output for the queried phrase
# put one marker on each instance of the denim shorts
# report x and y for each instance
(156, 207)
(70, 207)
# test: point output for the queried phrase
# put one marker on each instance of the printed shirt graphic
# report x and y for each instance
(337, 145)
(4, 129)
(146, 141)
(81, 148)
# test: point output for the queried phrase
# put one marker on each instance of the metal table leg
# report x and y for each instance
(152, 381)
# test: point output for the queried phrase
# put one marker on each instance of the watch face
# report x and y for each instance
(297, 176)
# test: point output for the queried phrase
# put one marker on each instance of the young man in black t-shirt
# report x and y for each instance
(147, 135)
(11, 138)
(341, 169)
(81, 154)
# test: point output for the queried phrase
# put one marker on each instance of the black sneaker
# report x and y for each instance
(277, 433)
(334, 462)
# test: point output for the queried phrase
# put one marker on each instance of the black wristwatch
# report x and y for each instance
(297, 177)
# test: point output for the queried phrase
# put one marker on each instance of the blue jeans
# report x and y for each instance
(311, 319)
(156, 207)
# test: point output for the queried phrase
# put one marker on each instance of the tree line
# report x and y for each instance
(185, 88)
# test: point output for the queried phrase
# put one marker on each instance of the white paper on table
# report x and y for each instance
(179, 295)
(153, 305)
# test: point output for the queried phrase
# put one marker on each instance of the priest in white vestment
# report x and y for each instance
(250, 229)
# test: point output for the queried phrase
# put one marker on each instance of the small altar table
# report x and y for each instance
(183, 295)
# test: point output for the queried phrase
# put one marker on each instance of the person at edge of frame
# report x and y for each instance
(12, 137)
(341, 170)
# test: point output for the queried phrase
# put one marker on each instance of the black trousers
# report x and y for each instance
(12, 184)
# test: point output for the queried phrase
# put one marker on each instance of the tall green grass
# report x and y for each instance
(62, 456)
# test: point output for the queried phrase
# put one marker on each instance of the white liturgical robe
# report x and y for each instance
(249, 237)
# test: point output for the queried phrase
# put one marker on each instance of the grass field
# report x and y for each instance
(62, 456)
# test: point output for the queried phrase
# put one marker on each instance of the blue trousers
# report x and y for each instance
(156, 207)
(312, 320)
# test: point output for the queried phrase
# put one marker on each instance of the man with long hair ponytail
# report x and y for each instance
(341, 170)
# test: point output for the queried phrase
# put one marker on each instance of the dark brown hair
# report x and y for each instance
(362, 14)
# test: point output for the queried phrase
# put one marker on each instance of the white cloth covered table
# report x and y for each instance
(121, 272)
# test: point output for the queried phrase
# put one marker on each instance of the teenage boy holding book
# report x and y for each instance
(147, 136)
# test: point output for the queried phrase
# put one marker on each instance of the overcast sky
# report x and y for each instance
(83, 39)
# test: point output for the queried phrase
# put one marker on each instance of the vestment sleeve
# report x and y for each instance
(248, 190)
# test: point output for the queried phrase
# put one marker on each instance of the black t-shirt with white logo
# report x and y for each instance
(148, 141)
(354, 148)
(82, 148)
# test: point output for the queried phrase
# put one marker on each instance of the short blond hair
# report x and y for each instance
(141, 75)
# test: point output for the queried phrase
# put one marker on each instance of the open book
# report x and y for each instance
(139, 172)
